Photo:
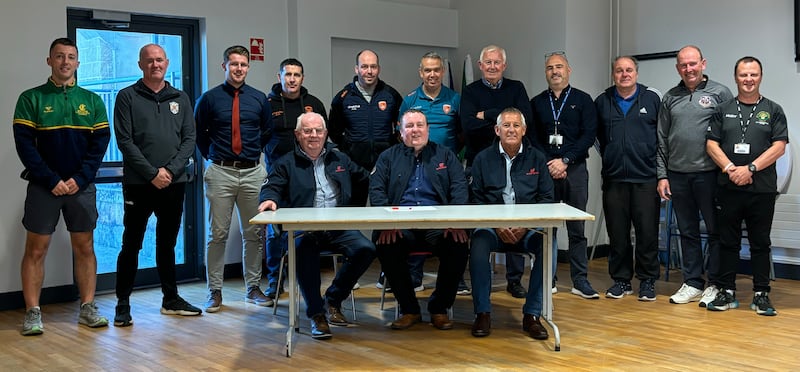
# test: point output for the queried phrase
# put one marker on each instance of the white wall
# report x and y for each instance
(530, 29)
(26, 30)
(305, 28)
(726, 31)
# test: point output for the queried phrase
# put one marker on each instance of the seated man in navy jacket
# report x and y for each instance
(510, 171)
(314, 175)
(416, 173)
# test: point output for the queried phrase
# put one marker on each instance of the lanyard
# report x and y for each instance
(557, 114)
(741, 120)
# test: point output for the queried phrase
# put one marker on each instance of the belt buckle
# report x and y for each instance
(236, 163)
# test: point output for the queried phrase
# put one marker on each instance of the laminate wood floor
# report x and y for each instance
(597, 335)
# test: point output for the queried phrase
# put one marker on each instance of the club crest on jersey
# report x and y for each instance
(82, 111)
(382, 105)
(446, 108)
(174, 108)
(762, 118)
(705, 101)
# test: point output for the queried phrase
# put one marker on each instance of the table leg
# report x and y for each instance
(547, 294)
(292, 294)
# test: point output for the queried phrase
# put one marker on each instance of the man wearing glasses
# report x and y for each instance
(314, 175)
(566, 122)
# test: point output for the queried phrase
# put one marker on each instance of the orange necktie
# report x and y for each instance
(236, 135)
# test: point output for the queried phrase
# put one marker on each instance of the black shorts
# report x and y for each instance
(43, 209)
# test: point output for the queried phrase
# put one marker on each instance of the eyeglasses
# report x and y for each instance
(309, 131)
(555, 53)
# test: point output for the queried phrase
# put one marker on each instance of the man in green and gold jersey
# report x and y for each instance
(61, 134)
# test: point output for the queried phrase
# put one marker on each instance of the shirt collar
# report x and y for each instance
(490, 86)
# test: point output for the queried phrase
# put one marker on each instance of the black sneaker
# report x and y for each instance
(122, 316)
(516, 289)
(647, 290)
(762, 305)
(619, 290)
(463, 288)
(179, 306)
(584, 289)
(382, 282)
(726, 299)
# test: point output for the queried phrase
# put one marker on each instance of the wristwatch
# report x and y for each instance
(751, 167)
(565, 160)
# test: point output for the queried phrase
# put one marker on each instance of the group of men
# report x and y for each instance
(402, 151)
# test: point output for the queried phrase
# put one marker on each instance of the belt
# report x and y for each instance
(238, 164)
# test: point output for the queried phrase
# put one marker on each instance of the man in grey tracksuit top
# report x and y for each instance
(686, 174)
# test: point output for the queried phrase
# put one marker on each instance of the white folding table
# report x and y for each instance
(545, 216)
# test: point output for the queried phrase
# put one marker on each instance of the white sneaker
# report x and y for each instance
(686, 294)
(420, 288)
(356, 286)
(709, 295)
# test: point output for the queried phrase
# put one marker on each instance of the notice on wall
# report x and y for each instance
(257, 49)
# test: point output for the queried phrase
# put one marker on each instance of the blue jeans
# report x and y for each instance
(276, 245)
(358, 252)
(485, 241)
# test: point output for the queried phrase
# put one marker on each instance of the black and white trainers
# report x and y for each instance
(725, 300)
(762, 305)
(179, 306)
(619, 290)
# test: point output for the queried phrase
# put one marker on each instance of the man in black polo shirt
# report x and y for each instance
(746, 137)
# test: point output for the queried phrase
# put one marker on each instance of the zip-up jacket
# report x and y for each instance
(628, 143)
(396, 165)
(683, 120)
(61, 132)
(364, 129)
(284, 118)
(530, 176)
(153, 130)
(292, 183)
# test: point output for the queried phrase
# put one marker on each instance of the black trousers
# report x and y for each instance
(636, 204)
(141, 201)
(452, 262)
(757, 211)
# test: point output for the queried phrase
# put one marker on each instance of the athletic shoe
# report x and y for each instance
(463, 288)
(91, 317)
(381, 280)
(686, 294)
(122, 316)
(584, 289)
(32, 325)
(619, 290)
(179, 306)
(554, 290)
(647, 290)
(214, 302)
(725, 300)
(708, 295)
(356, 286)
(255, 296)
(762, 305)
(419, 288)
